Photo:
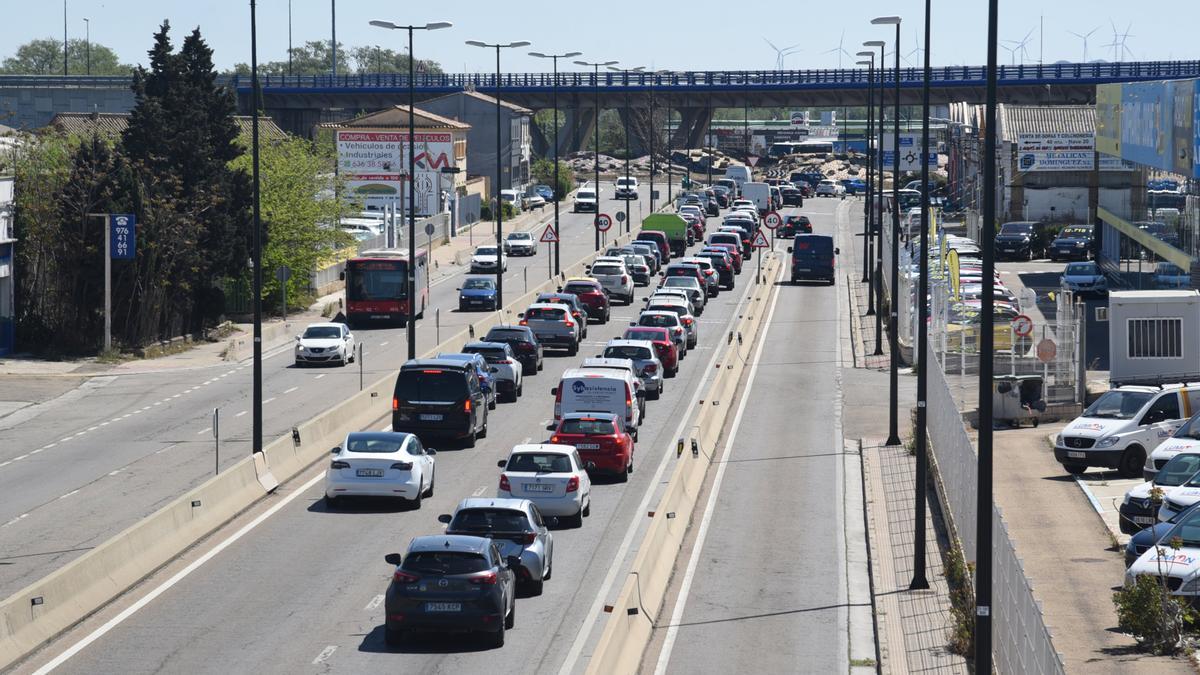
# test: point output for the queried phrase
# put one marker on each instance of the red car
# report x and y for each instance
(695, 225)
(600, 440)
(664, 346)
(592, 296)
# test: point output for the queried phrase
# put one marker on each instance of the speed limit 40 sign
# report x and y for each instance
(773, 220)
(603, 222)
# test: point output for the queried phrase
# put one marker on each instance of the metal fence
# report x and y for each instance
(1021, 643)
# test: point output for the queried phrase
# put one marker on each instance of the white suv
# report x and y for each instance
(627, 188)
(829, 188)
(614, 278)
(585, 200)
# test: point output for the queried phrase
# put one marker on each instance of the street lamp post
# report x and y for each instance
(557, 197)
(628, 112)
(256, 239)
(289, 38)
(918, 580)
(596, 69)
(333, 36)
(499, 153)
(87, 42)
(411, 286)
(877, 212)
(894, 300)
(870, 135)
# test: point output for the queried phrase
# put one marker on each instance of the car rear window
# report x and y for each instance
(587, 425)
(659, 320)
(606, 270)
(490, 520)
(444, 562)
(490, 355)
(643, 335)
(539, 462)
(682, 271)
(814, 246)
(496, 335)
(382, 445)
(674, 309)
(627, 352)
(545, 313)
(579, 289)
(431, 384)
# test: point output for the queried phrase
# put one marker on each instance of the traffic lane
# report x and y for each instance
(769, 594)
(104, 478)
(234, 600)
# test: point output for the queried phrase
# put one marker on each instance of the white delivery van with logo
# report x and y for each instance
(582, 391)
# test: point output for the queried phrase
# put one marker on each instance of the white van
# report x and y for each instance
(584, 390)
(1123, 427)
(739, 174)
(1185, 439)
(760, 194)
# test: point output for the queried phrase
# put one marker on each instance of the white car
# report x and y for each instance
(830, 188)
(325, 343)
(506, 369)
(487, 258)
(520, 243)
(551, 476)
(1140, 509)
(380, 464)
(532, 201)
(1185, 439)
(614, 278)
(627, 188)
(585, 200)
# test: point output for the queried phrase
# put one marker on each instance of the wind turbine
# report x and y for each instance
(1120, 50)
(1019, 46)
(918, 50)
(1084, 37)
(780, 54)
(839, 50)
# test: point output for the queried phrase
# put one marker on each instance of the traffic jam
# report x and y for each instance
(497, 548)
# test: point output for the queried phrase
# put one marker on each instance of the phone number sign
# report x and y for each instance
(122, 236)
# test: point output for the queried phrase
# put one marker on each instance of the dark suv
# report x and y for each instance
(524, 344)
(794, 225)
(1074, 242)
(451, 583)
(440, 398)
(1019, 240)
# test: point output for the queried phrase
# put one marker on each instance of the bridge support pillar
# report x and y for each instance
(576, 132)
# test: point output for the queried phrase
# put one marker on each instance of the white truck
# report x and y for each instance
(760, 194)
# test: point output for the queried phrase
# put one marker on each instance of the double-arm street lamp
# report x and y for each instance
(870, 176)
(410, 286)
(877, 210)
(499, 156)
(557, 196)
(597, 65)
(628, 113)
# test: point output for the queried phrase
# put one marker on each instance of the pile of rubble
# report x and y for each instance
(584, 165)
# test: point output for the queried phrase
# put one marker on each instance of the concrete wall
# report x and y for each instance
(34, 107)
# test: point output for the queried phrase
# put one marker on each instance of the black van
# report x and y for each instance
(439, 398)
(813, 257)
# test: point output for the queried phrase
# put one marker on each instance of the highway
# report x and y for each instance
(80, 468)
(293, 587)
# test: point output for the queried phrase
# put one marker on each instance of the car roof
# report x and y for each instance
(546, 305)
(555, 294)
(483, 344)
(506, 326)
(576, 280)
(653, 328)
(603, 362)
(655, 312)
(543, 447)
(611, 417)
(623, 342)
(460, 543)
(437, 362)
(324, 324)
(378, 436)
(459, 357)
(493, 503)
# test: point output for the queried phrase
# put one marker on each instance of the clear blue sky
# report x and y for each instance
(652, 34)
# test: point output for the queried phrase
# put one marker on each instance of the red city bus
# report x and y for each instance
(376, 286)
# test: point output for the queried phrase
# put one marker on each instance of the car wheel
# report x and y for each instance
(623, 477)
(432, 482)
(541, 365)
(497, 639)
(345, 360)
(1074, 468)
(1132, 462)
(332, 502)
(511, 619)
(533, 588)
(573, 349)
(575, 520)
(492, 403)
(394, 637)
(520, 389)
(415, 503)
(653, 396)
(469, 441)
(587, 510)
(607, 315)
(484, 431)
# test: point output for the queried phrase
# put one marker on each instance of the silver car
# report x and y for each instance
(615, 279)
(518, 529)
(553, 325)
(675, 293)
(641, 352)
(698, 295)
(681, 309)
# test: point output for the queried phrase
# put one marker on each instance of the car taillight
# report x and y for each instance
(628, 398)
(624, 279)
(504, 485)
(402, 466)
(395, 403)
(530, 537)
(569, 324)
(523, 322)
(467, 406)
(687, 321)
(572, 483)
(483, 578)
(650, 368)
(403, 577)
(525, 347)
(339, 464)
(554, 439)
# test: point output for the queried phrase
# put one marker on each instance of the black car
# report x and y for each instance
(794, 225)
(440, 398)
(723, 267)
(1149, 536)
(524, 344)
(1019, 241)
(1074, 242)
(792, 196)
(722, 193)
(451, 583)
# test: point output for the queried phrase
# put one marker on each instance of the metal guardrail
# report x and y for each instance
(1061, 73)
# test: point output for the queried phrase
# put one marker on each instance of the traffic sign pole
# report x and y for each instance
(107, 284)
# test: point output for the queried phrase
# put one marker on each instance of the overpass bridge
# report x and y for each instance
(299, 102)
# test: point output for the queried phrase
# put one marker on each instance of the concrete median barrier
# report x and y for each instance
(635, 613)
(46, 608)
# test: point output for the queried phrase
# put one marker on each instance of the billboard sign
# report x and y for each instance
(1108, 119)
(1054, 151)
(910, 159)
(799, 118)
(374, 164)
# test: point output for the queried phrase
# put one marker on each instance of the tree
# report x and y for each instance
(313, 58)
(298, 222)
(543, 172)
(379, 60)
(44, 57)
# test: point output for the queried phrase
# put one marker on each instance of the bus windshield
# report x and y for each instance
(375, 280)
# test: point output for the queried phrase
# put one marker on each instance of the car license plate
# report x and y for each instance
(803, 269)
(370, 473)
(538, 487)
(431, 417)
(1077, 455)
(587, 446)
(443, 607)
(1144, 520)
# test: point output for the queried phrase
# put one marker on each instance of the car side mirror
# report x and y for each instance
(494, 369)
(520, 315)
(632, 323)
(430, 451)
(590, 466)
(789, 249)
(502, 463)
(445, 518)
(392, 558)
(552, 521)
(513, 562)
(342, 275)
(837, 251)
(458, 289)
(554, 391)
(335, 450)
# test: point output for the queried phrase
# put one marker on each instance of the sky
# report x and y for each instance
(707, 35)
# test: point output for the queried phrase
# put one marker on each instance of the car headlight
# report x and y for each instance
(1058, 440)
(1080, 244)
(1107, 442)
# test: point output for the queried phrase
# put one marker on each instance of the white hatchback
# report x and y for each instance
(380, 464)
(325, 343)
(551, 476)
(487, 259)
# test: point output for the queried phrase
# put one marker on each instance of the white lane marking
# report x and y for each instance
(158, 403)
(291, 390)
(176, 396)
(375, 602)
(241, 413)
(3, 464)
(593, 612)
(225, 374)
(210, 381)
(103, 424)
(17, 459)
(16, 520)
(93, 428)
(203, 431)
(479, 491)
(384, 343)
(146, 408)
(69, 494)
(116, 419)
(685, 588)
(325, 654)
(387, 428)
(319, 376)
(268, 400)
(113, 473)
(126, 415)
(194, 388)
(179, 576)
(34, 452)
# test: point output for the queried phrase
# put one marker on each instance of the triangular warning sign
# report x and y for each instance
(752, 160)
(549, 236)
(760, 240)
